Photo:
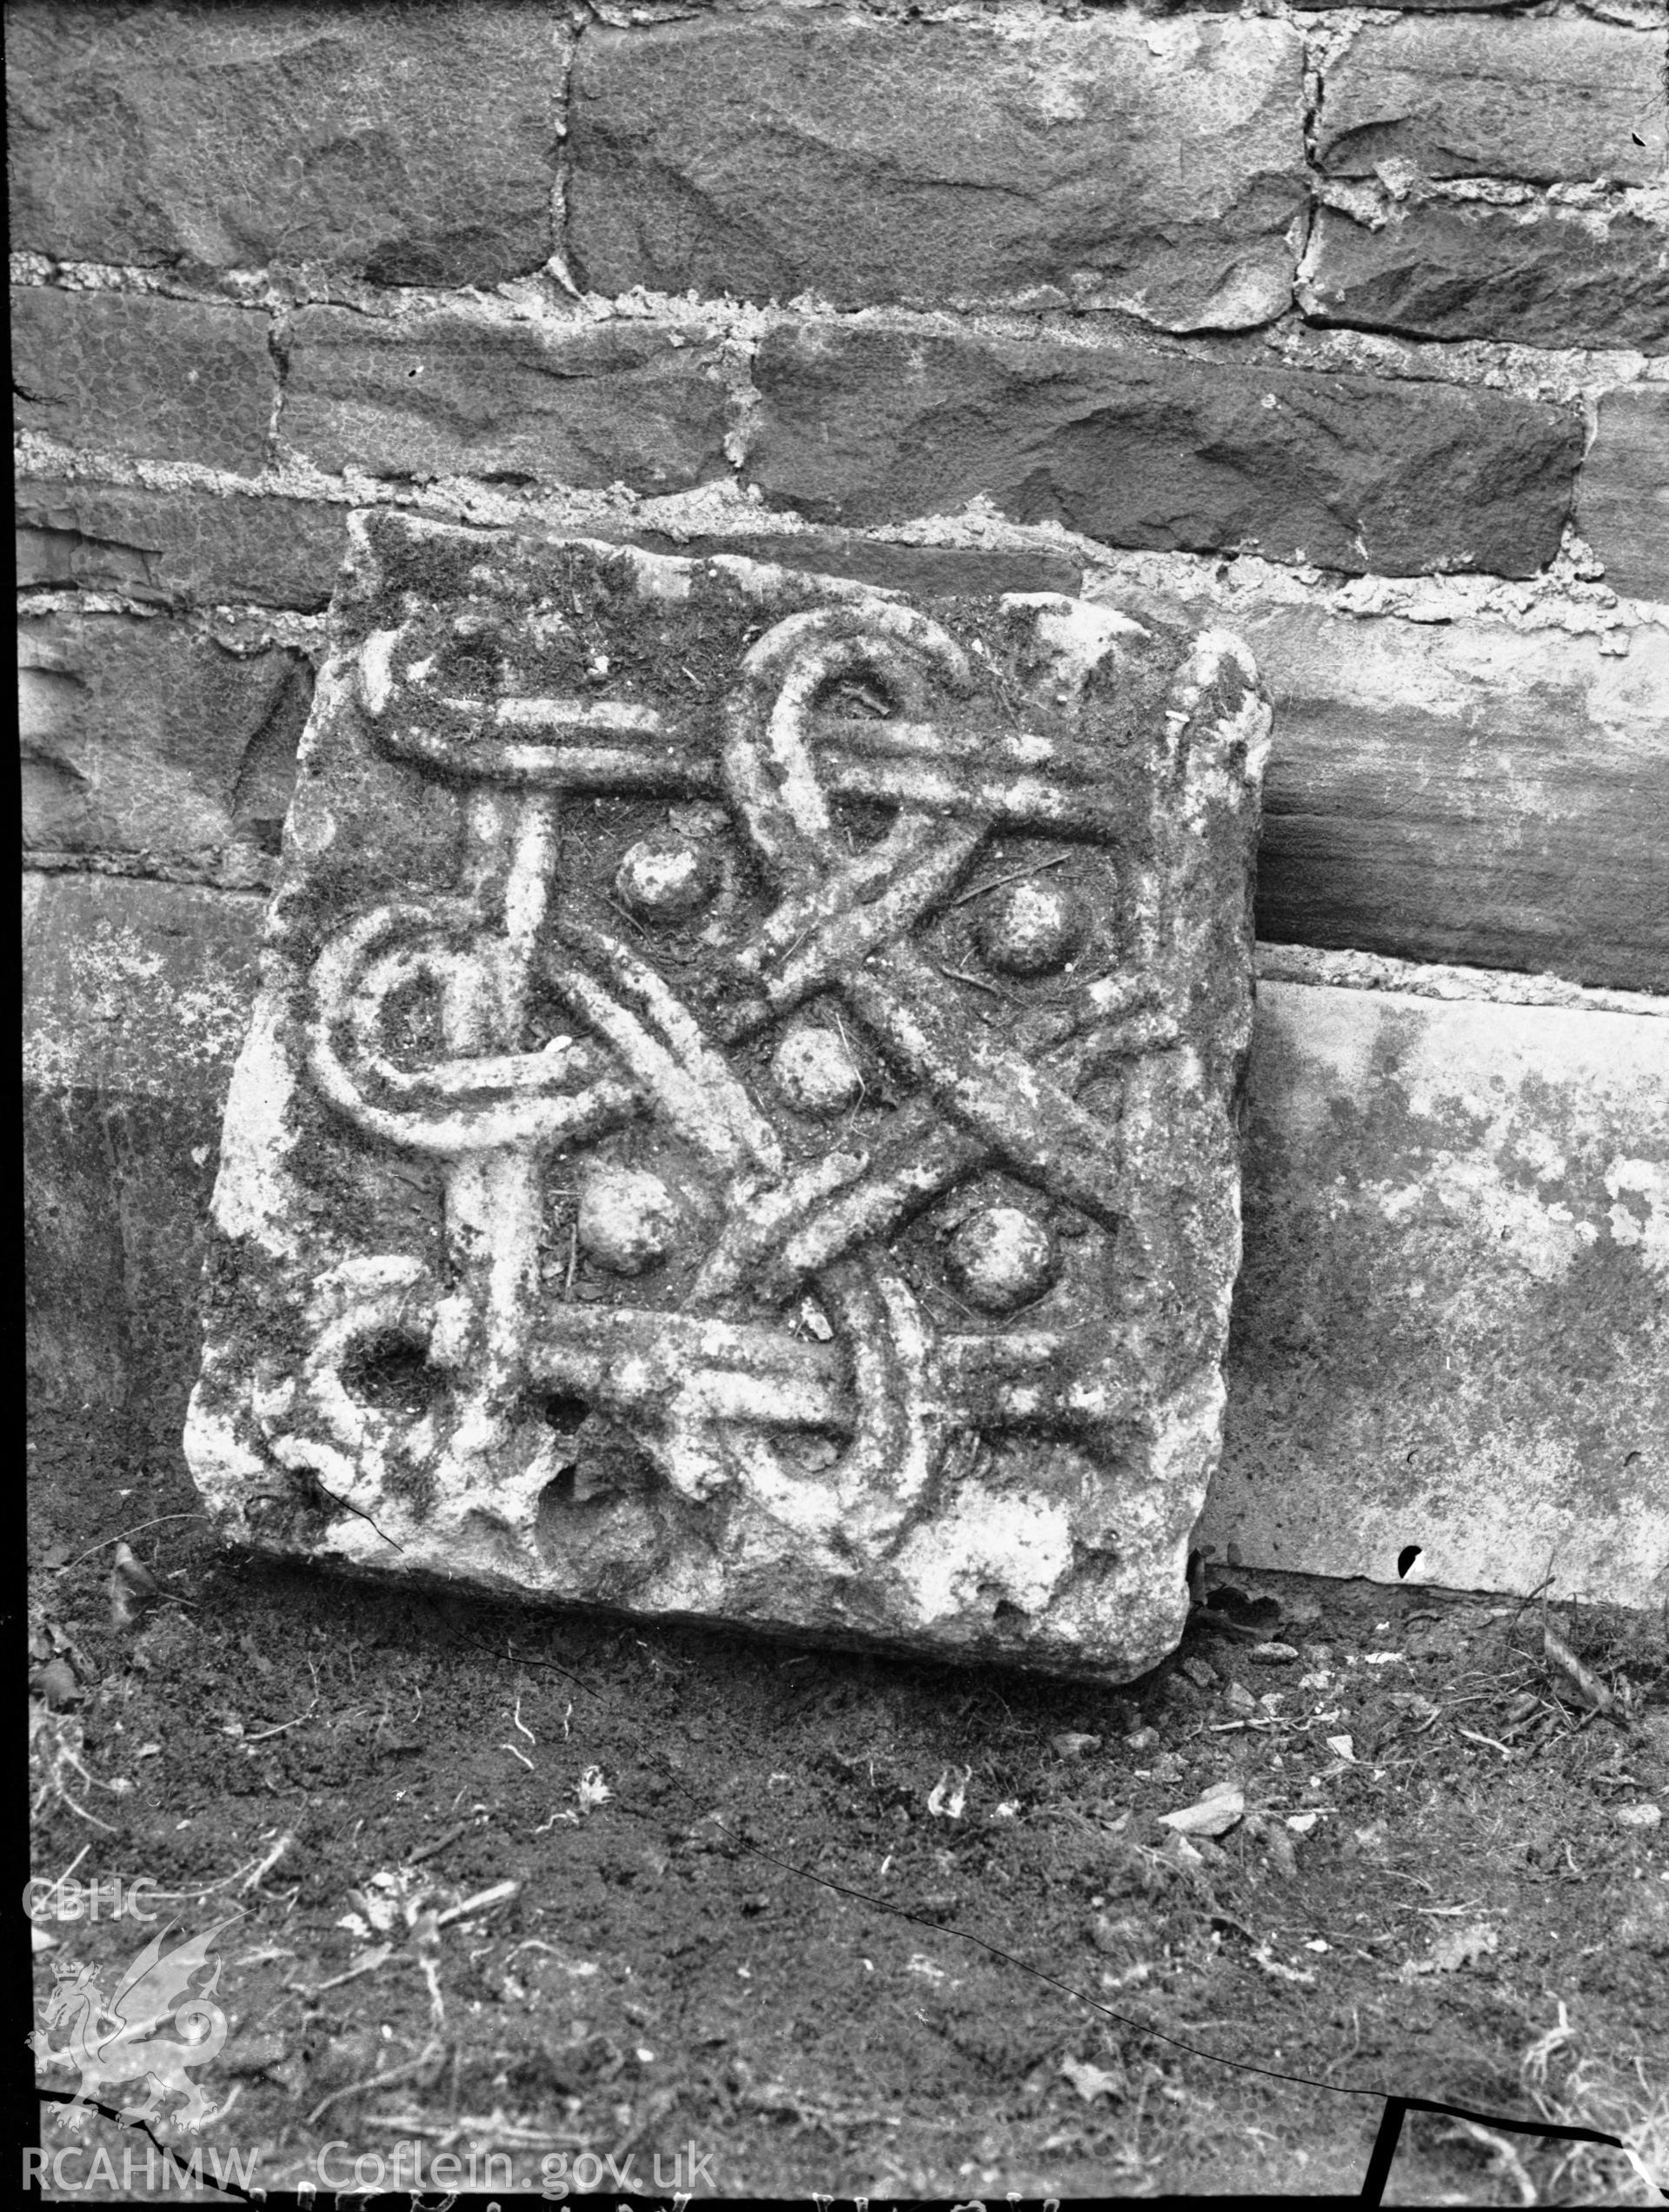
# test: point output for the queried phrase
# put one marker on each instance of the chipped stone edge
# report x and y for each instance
(1351, 970)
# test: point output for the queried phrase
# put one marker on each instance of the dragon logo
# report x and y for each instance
(151, 2031)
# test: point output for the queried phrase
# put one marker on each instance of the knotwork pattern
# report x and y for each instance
(797, 1318)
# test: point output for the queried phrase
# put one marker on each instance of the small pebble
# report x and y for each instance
(1272, 1654)
(1639, 1816)
(1202, 1676)
(1239, 1699)
(1141, 1740)
(1073, 1745)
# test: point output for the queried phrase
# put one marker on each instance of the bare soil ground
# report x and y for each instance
(755, 1888)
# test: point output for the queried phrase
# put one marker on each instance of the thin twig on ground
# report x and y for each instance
(430, 2051)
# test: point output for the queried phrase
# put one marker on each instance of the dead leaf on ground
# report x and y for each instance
(134, 1570)
(1646, 1926)
(1073, 1745)
(132, 1588)
(56, 1684)
(1179, 1856)
(947, 1797)
(1560, 1655)
(1275, 1841)
(1120, 1938)
(591, 1790)
(1455, 1948)
(1092, 2082)
(1214, 1813)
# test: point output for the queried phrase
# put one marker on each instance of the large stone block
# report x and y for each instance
(1452, 1333)
(1157, 166)
(866, 426)
(179, 548)
(172, 380)
(1464, 790)
(738, 1120)
(1537, 276)
(1622, 500)
(408, 144)
(140, 738)
(1467, 792)
(448, 393)
(1541, 100)
(137, 995)
(135, 988)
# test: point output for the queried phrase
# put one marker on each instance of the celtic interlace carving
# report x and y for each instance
(713, 1388)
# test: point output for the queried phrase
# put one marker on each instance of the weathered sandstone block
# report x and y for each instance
(1540, 275)
(1467, 792)
(1158, 166)
(131, 373)
(1540, 100)
(135, 996)
(408, 144)
(864, 426)
(1623, 501)
(447, 393)
(141, 738)
(1453, 1330)
(180, 549)
(738, 1120)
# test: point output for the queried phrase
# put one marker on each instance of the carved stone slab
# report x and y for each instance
(739, 1119)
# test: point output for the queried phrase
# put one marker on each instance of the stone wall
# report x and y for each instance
(1349, 328)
